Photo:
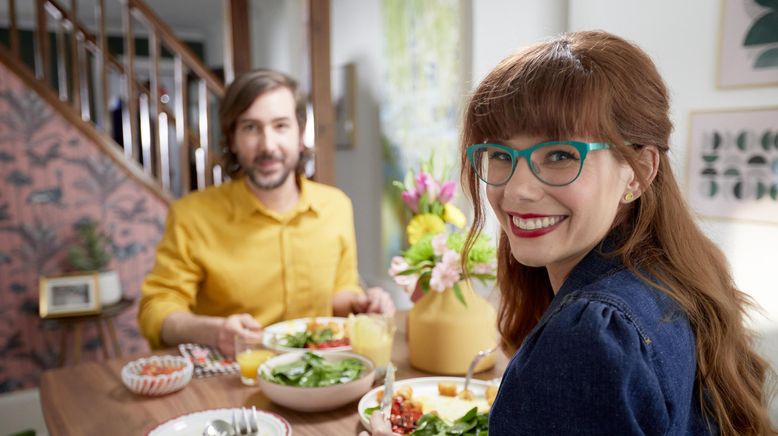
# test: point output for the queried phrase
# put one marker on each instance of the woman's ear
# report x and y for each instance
(647, 163)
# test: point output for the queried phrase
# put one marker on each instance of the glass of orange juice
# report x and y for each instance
(250, 353)
(372, 335)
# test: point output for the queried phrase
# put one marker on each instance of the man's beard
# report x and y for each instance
(264, 182)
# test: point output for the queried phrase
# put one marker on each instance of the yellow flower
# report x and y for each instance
(424, 224)
(452, 215)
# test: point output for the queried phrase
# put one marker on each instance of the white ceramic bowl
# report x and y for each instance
(162, 384)
(316, 399)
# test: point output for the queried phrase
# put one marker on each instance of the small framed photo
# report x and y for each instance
(69, 295)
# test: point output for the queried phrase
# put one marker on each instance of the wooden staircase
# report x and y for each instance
(169, 142)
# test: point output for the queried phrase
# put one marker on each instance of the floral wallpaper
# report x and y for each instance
(51, 178)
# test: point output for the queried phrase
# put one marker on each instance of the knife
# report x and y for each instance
(386, 402)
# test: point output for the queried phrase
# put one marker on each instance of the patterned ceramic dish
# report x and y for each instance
(157, 375)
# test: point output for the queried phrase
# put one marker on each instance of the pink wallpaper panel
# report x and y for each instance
(51, 178)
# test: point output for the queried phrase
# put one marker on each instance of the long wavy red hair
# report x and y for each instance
(595, 84)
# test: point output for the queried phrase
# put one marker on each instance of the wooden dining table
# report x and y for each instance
(90, 398)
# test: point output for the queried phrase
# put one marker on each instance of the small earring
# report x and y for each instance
(628, 197)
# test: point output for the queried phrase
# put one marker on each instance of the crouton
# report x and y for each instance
(405, 392)
(447, 389)
(491, 394)
(466, 395)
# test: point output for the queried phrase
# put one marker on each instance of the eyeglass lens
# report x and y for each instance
(554, 164)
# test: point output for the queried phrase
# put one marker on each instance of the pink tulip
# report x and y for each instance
(447, 191)
(426, 184)
(411, 198)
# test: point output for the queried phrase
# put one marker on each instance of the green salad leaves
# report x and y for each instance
(313, 371)
(471, 424)
(303, 338)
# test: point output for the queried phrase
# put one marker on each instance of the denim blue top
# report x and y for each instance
(610, 356)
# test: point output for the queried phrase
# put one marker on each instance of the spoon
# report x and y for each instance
(218, 427)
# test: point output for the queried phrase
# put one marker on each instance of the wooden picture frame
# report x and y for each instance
(69, 295)
(748, 53)
(732, 169)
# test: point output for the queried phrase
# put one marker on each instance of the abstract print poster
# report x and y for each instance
(733, 164)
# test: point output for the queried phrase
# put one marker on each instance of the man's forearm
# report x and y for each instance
(183, 327)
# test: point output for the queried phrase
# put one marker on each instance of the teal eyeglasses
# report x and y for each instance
(555, 163)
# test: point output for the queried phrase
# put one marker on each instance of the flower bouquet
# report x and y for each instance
(433, 260)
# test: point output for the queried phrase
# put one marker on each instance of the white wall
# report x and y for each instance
(278, 40)
(501, 27)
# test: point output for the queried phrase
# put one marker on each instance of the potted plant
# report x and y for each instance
(91, 254)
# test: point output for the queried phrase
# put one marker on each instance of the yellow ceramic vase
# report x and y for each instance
(444, 336)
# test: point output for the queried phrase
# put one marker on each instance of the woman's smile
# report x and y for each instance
(534, 225)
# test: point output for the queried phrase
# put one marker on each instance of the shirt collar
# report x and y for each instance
(245, 203)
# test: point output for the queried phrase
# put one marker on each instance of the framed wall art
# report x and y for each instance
(69, 295)
(749, 43)
(733, 164)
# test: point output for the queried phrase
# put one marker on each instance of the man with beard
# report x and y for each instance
(267, 246)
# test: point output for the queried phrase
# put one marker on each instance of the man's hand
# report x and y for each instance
(374, 300)
(240, 324)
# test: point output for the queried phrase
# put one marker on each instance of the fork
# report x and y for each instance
(248, 425)
(481, 354)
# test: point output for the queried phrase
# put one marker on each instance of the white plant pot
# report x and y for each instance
(110, 288)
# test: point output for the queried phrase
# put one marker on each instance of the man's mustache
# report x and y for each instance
(268, 158)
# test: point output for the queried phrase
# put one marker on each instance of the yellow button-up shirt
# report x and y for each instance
(224, 252)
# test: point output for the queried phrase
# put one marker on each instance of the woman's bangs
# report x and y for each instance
(564, 103)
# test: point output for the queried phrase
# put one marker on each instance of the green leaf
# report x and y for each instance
(313, 371)
(483, 277)
(764, 30)
(458, 293)
(424, 281)
(767, 59)
(471, 423)
(90, 252)
(424, 203)
(410, 271)
(369, 411)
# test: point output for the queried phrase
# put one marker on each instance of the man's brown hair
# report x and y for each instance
(240, 94)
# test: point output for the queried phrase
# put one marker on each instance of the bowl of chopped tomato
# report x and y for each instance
(157, 375)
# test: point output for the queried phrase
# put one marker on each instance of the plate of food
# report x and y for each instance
(269, 423)
(431, 405)
(320, 333)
